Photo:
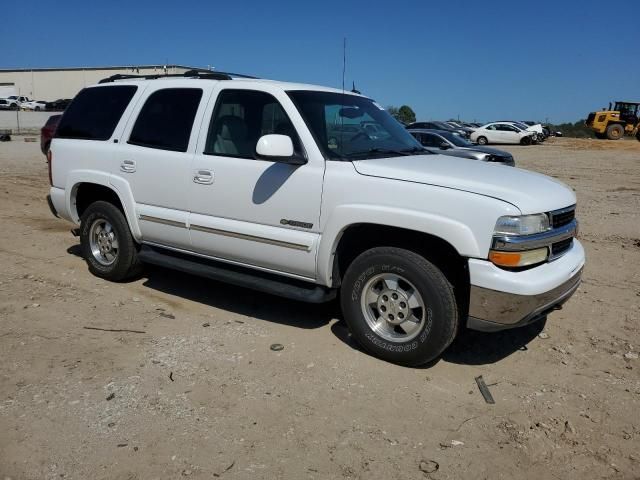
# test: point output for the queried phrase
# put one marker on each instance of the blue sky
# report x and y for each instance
(479, 60)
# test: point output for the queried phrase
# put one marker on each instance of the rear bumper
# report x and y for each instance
(501, 300)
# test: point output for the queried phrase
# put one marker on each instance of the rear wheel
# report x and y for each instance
(399, 306)
(107, 244)
(615, 131)
(482, 141)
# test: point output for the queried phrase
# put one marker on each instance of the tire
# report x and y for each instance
(482, 141)
(601, 136)
(525, 141)
(369, 284)
(106, 243)
(615, 131)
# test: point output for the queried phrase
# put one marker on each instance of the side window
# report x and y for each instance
(240, 118)
(429, 140)
(95, 112)
(166, 119)
(491, 127)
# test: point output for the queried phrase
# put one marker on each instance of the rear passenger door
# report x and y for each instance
(154, 159)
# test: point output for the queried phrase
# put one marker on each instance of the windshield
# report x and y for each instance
(457, 140)
(348, 127)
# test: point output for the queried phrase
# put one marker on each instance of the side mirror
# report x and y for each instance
(445, 146)
(278, 148)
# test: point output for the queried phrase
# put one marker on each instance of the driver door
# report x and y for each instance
(250, 211)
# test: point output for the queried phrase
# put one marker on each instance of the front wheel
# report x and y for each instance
(107, 244)
(482, 141)
(615, 131)
(399, 306)
(525, 141)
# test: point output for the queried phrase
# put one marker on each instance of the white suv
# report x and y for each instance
(261, 184)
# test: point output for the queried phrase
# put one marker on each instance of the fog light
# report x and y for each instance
(519, 259)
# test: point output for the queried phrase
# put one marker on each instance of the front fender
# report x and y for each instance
(459, 235)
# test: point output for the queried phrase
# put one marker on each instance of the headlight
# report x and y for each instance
(522, 224)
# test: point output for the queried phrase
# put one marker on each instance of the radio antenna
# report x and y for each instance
(344, 60)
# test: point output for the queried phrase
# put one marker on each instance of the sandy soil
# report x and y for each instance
(200, 394)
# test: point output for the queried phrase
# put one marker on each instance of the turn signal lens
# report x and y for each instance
(518, 259)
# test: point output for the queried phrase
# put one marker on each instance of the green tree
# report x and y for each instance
(406, 114)
(393, 111)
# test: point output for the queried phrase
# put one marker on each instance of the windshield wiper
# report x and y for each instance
(404, 153)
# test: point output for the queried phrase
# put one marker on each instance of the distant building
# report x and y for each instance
(53, 83)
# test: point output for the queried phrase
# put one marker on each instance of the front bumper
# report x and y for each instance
(500, 299)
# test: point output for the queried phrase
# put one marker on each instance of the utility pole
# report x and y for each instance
(18, 111)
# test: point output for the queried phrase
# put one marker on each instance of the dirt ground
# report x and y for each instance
(200, 394)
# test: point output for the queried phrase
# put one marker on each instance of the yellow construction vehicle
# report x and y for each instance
(614, 123)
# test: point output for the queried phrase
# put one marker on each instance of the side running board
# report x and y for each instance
(242, 277)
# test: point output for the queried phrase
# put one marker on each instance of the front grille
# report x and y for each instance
(560, 247)
(560, 218)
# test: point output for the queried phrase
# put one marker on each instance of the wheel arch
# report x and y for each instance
(84, 193)
(359, 237)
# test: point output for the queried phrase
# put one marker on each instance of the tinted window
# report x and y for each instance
(95, 112)
(430, 140)
(240, 118)
(166, 119)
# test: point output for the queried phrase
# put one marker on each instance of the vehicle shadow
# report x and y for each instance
(479, 348)
(469, 347)
(239, 300)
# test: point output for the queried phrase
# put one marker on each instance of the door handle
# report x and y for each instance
(203, 177)
(128, 166)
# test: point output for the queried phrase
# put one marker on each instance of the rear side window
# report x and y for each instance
(95, 112)
(166, 119)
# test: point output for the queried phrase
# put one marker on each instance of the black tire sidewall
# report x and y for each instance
(126, 260)
(482, 141)
(440, 317)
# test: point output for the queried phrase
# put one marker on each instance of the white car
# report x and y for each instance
(502, 132)
(15, 101)
(35, 105)
(250, 182)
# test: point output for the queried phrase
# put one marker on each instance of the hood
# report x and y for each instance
(530, 192)
(489, 150)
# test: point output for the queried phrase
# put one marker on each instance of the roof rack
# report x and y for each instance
(204, 75)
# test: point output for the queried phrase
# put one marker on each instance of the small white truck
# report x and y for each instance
(279, 187)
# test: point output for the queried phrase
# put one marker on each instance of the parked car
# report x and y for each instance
(14, 101)
(446, 143)
(47, 132)
(58, 105)
(4, 104)
(235, 180)
(35, 105)
(533, 127)
(436, 126)
(460, 126)
(502, 132)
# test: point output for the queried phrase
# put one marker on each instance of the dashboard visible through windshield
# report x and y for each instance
(349, 127)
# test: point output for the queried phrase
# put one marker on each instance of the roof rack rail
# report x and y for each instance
(205, 75)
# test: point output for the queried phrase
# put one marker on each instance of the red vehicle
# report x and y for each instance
(46, 132)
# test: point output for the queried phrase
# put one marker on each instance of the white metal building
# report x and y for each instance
(50, 84)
